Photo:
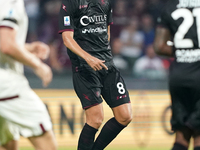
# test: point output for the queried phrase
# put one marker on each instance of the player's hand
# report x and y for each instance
(95, 63)
(41, 50)
(44, 72)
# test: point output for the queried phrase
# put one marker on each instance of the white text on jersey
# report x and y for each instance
(188, 56)
(188, 3)
(85, 20)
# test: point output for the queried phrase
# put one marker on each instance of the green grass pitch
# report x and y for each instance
(109, 148)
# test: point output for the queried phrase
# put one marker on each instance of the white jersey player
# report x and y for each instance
(21, 110)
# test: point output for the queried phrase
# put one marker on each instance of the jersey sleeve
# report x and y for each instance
(10, 17)
(66, 16)
(163, 20)
(110, 19)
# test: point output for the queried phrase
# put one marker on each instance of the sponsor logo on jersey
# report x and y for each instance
(96, 30)
(120, 97)
(187, 56)
(64, 7)
(86, 97)
(83, 6)
(99, 19)
(67, 21)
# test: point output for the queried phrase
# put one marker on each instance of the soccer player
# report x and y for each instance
(21, 110)
(180, 22)
(85, 28)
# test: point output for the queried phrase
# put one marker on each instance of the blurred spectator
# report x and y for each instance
(137, 8)
(53, 57)
(154, 8)
(148, 30)
(132, 40)
(58, 57)
(119, 61)
(49, 27)
(120, 17)
(149, 66)
(32, 9)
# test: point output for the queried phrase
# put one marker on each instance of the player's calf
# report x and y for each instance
(11, 145)
(45, 142)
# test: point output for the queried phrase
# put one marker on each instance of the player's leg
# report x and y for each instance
(182, 139)
(195, 122)
(11, 145)
(123, 116)
(196, 137)
(117, 97)
(181, 109)
(87, 87)
(123, 113)
(2, 148)
(8, 135)
(40, 131)
(46, 141)
(94, 118)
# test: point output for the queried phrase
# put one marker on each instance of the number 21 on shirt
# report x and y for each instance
(188, 20)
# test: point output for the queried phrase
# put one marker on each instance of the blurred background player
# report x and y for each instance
(180, 22)
(85, 28)
(21, 110)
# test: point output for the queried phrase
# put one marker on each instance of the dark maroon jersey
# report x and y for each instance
(89, 20)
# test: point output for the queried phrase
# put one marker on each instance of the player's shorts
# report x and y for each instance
(90, 85)
(21, 110)
(185, 106)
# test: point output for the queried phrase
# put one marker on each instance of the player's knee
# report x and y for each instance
(95, 121)
(128, 119)
(125, 119)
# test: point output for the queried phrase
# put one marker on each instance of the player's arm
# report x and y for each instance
(160, 42)
(9, 47)
(39, 49)
(70, 43)
(109, 33)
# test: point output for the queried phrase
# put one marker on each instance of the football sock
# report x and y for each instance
(86, 138)
(178, 146)
(109, 131)
(197, 148)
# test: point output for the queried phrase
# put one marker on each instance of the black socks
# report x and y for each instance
(109, 131)
(178, 146)
(86, 139)
(197, 148)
